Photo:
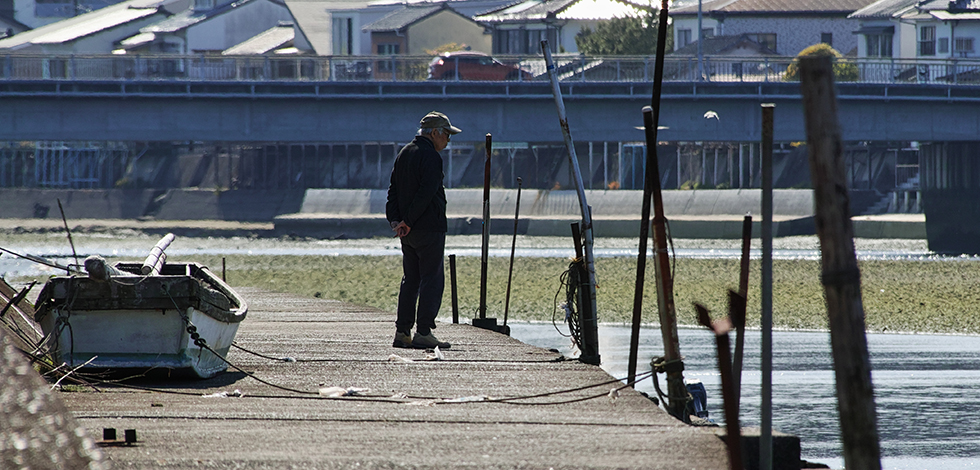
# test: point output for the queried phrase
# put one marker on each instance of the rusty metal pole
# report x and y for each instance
(485, 245)
(840, 275)
(452, 286)
(733, 431)
(652, 173)
(513, 246)
(70, 242)
(677, 393)
(765, 409)
(738, 315)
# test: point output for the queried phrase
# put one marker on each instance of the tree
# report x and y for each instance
(630, 35)
(844, 71)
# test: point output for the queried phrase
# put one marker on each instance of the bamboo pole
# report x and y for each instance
(840, 275)
(157, 257)
(652, 175)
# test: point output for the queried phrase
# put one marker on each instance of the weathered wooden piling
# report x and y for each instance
(840, 275)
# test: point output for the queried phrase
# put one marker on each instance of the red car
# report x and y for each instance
(473, 66)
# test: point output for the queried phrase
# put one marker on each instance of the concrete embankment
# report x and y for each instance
(352, 213)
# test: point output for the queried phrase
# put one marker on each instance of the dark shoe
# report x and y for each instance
(428, 341)
(402, 340)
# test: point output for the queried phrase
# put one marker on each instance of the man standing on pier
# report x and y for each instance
(416, 211)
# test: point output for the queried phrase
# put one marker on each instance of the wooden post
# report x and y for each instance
(840, 275)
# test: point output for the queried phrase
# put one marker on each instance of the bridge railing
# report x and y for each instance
(570, 68)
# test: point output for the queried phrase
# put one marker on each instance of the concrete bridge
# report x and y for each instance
(218, 111)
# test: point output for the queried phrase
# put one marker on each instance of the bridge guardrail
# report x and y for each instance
(570, 68)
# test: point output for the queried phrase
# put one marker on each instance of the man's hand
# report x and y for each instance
(401, 229)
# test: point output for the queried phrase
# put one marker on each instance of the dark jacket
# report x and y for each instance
(416, 195)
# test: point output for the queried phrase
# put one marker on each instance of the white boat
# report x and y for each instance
(180, 318)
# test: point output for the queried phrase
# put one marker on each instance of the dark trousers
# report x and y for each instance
(423, 280)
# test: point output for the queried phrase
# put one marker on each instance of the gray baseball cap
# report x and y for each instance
(437, 120)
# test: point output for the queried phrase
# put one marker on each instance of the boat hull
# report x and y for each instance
(146, 323)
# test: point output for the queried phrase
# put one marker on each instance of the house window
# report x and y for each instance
(765, 39)
(534, 38)
(523, 41)
(927, 40)
(879, 45)
(944, 45)
(708, 33)
(964, 46)
(827, 38)
(387, 49)
(683, 37)
(343, 36)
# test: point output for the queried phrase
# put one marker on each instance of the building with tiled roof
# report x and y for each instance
(785, 26)
(417, 28)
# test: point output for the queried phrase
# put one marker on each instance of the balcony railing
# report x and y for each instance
(570, 68)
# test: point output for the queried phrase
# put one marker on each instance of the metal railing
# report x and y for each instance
(570, 68)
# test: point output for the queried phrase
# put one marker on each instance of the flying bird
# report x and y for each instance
(711, 114)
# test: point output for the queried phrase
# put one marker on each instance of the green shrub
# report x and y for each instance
(844, 70)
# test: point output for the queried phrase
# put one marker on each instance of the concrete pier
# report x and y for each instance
(413, 415)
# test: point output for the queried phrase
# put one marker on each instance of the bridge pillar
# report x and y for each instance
(950, 181)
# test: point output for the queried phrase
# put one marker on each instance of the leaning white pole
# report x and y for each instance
(579, 185)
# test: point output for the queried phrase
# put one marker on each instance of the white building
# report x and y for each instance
(520, 28)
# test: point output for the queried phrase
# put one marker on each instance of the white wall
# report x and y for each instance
(960, 29)
(235, 26)
(905, 41)
(692, 24)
